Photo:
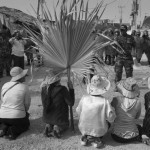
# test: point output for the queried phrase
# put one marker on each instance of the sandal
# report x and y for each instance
(84, 140)
(146, 141)
(98, 143)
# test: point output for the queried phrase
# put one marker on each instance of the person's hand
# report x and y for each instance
(70, 85)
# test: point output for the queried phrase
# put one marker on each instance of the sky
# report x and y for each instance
(112, 10)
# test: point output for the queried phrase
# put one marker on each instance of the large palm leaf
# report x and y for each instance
(68, 45)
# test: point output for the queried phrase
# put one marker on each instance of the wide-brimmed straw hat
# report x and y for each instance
(129, 88)
(99, 85)
(18, 73)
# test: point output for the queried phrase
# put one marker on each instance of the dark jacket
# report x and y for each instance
(55, 106)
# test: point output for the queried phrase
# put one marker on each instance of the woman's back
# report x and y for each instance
(127, 111)
(56, 105)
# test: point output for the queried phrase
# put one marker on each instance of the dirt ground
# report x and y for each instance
(33, 139)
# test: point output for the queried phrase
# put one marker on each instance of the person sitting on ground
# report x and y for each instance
(15, 97)
(55, 101)
(128, 108)
(95, 112)
(146, 121)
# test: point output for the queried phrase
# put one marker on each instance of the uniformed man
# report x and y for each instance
(138, 46)
(5, 52)
(146, 45)
(124, 59)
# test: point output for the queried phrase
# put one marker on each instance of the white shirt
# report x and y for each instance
(15, 102)
(17, 47)
(94, 112)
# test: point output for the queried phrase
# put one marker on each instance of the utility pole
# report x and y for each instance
(121, 12)
(134, 14)
(40, 5)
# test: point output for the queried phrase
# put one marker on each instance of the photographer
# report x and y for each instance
(18, 43)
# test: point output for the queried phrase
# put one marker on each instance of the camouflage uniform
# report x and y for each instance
(138, 47)
(146, 45)
(124, 60)
(5, 55)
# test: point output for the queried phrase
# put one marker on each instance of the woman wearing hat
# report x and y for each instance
(95, 112)
(56, 99)
(128, 108)
(15, 104)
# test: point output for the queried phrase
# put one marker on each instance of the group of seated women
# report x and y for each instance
(96, 113)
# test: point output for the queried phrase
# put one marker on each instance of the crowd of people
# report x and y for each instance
(13, 49)
(96, 113)
(141, 45)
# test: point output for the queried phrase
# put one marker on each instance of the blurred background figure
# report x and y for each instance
(138, 46)
(146, 45)
(5, 51)
(18, 44)
(133, 33)
(109, 51)
(116, 33)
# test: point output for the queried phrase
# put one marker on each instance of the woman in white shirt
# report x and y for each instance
(95, 112)
(15, 97)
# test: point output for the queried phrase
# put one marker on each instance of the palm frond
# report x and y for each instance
(68, 43)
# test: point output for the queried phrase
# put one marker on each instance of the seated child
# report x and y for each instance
(95, 112)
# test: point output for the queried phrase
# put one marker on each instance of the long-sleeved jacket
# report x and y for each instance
(94, 112)
(55, 105)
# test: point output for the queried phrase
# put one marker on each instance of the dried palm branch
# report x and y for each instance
(67, 45)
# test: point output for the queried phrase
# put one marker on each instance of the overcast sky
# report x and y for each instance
(111, 12)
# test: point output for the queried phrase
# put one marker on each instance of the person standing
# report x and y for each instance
(18, 49)
(138, 46)
(146, 45)
(124, 59)
(116, 33)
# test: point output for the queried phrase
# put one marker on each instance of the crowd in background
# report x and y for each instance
(142, 45)
(13, 49)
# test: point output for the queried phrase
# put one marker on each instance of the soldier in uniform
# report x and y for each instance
(109, 51)
(138, 46)
(116, 33)
(146, 45)
(124, 59)
(5, 52)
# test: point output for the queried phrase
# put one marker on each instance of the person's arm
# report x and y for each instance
(79, 107)
(110, 112)
(27, 99)
(11, 41)
(138, 109)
